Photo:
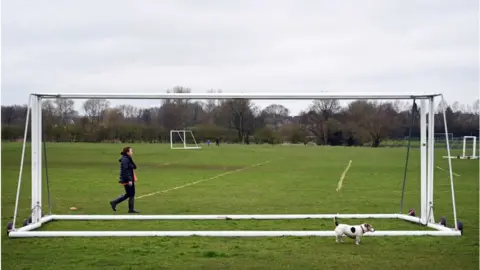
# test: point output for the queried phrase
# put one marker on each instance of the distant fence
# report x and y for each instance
(455, 143)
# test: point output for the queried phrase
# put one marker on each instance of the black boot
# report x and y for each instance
(131, 204)
(118, 200)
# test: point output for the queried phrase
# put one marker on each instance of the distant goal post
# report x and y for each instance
(183, 139)
(464, 155)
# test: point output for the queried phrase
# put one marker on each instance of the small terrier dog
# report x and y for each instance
(355, 232)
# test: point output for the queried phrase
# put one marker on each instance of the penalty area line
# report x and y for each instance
(203, 180)
(442, 169)
(340, 182)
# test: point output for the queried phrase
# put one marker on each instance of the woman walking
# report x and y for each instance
(127, 179)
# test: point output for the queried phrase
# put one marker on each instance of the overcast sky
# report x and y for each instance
(240, 46)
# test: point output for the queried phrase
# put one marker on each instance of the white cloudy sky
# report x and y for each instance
(240, 46)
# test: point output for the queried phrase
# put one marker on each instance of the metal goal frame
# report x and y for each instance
(426, 214)
(183, 138)
(464, 156)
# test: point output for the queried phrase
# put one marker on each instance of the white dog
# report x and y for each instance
(354, 232)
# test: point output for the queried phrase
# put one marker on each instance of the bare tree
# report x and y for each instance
(112, 117)
(128, 111)
(476, 107)
(64, 110)
(442, 105)
(320, 113)
(48, 113)
(8, 115)
(146, 116)
(378, 119)
(94, 109)
(456, 107)
(241, 116)
(179, 90)
(274, 115)
(400, 105)
(210, 105)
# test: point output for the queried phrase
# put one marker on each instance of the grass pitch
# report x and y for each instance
(223, 180)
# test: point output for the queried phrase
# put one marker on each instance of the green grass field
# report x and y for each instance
(296, 179)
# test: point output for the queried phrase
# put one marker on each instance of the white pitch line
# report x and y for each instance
(203, 180)
(168, 163)
(441, 169)
(340, 182)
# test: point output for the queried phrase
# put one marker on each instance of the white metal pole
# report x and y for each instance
(223, 217)
(39, 208)
(431, 156)
(330, 233)
(272, 95)
(171, 139)
(193, 137)
(450, 169)
(474, 146)
(36, 140)
(423, 163)
(464, 145)
(184, 139)
(35, 155)
(22, 160)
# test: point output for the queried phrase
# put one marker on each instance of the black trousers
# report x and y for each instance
(129, 194)
(130, 190)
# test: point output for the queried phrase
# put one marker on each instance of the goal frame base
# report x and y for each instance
(186, 148)
(461, 157)
(28, 230)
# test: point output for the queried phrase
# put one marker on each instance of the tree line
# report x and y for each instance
(324, 122)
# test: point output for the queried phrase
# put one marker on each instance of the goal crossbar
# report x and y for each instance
(426, 213)
(255, 95)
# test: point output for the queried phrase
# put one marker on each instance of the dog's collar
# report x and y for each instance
(361, 226)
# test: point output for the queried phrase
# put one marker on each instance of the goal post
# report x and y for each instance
(183, 139)
(426, 214)
(465, 149)
(474, 146)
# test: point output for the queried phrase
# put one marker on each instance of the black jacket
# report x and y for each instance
(126, 168)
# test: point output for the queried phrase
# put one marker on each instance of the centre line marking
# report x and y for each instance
(340, 182)
(203, 180)
(441, 169)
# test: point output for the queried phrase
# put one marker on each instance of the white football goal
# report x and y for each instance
(425, 215)
(466, 148)
(183, 139)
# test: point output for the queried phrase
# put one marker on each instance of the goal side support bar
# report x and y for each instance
(27, 230)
